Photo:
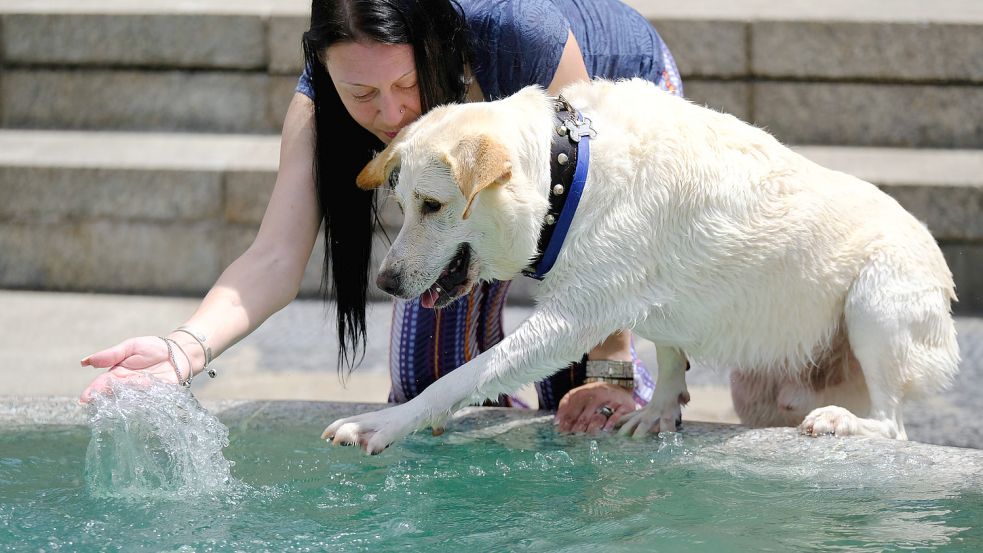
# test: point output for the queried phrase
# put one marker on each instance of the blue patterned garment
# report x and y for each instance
(517, 43)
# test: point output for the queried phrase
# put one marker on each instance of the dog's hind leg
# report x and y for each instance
(901, 332)
(664, 412)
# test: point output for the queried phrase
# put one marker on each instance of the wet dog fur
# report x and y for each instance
(696, 231)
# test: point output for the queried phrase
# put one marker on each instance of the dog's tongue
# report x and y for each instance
(429, 298)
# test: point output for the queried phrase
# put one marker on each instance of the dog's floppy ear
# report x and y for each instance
(478, 162)
(377, 171)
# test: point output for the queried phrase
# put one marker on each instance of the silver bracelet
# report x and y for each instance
(177, 371)
(205, 348)
(191, 370)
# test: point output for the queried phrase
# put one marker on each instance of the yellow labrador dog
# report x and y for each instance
(695, 230)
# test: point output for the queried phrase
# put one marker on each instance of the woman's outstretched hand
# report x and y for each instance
(583, 408)
(134, 358)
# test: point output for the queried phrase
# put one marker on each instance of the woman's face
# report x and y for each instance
(377, 84)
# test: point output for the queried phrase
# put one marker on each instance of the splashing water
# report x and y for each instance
(155, 440)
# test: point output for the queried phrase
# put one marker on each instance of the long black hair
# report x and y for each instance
(438, 33)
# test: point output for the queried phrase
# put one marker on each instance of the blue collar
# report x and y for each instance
(569, 161)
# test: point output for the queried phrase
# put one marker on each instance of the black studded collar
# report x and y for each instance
(569, 160)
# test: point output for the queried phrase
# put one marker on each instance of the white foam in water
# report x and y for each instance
(155, 440)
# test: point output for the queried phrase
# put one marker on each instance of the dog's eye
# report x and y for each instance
(431, 206)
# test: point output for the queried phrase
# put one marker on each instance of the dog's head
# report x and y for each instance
(470, 210)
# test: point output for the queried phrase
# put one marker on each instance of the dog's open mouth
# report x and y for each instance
(452, 281)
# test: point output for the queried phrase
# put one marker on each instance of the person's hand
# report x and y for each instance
(136, 358)
(581, 409)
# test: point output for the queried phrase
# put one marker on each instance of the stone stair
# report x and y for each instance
(138, 139)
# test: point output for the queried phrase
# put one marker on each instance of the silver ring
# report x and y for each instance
(605, 410)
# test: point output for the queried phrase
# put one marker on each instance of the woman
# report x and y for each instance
(373, 66)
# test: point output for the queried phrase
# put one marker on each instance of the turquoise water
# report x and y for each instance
(495, 483)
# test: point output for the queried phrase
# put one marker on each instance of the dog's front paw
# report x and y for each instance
(830, 420)
(645, 421)
(373, 432)
(663, 414)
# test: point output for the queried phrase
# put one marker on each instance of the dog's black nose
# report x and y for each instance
(388, 282)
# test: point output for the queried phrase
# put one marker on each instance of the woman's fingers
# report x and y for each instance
(94, 388)
(102, 384)
(596, 422)
(583, 414)
(620, 412)
(569, 410)
(108, 357)
(593, 407)
(135, 353)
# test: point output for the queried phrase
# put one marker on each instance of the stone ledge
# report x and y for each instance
(906, 40)
(45, 194)
(246, 194)
(108, 255)
(943, 188)
(282, 89)
(139, 150)
(129, 7)
(725, 56)
(284, 43)
(249, 152)
(965, 260)
(231, 177)
(780, 66)
(882, 11)
(902, 166)
(838, 50)
(76, 200)
(862, 114)
(761, 446)
(733, 97)
(951, 11)
(167, 40)
(171, 100)
(869, 114)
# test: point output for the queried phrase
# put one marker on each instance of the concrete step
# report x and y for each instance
(157, 100)
(165, 213)
(834, 73)
(162, 213)
(898, 40)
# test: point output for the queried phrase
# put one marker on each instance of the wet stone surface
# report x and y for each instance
(947, 419)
